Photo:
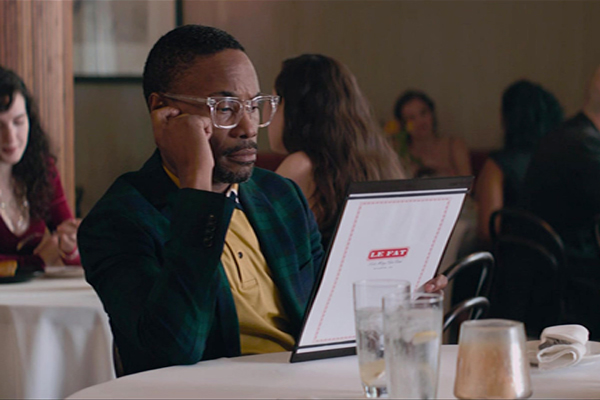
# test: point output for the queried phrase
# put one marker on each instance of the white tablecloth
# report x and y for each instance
(54, 338)
(272, 376)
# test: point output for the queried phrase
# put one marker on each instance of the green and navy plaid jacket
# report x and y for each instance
(152, 253)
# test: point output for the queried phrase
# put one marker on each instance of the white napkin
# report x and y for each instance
(562, 346)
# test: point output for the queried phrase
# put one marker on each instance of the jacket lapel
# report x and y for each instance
(275, 243)
(157, 187)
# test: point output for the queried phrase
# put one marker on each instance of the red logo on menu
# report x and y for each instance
(388, 253)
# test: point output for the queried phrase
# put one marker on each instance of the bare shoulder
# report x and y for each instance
(299, 168)
(457, 143)
(294, 164)
(491, 170)
(489, 180)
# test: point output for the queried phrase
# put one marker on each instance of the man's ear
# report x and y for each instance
(155, 101)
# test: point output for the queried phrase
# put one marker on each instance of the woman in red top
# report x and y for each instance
(37, 227)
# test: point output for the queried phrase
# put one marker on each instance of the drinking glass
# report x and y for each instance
(492, 361)
(368, 319)
(413, 338)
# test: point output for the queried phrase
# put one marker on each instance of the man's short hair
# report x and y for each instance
(177, 49)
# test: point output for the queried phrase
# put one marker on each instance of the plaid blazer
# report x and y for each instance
(152, 253)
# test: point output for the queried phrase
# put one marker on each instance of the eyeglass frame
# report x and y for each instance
(212, 101)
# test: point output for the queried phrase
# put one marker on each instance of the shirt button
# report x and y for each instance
(240, 254)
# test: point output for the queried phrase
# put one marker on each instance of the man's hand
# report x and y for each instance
(183, 140)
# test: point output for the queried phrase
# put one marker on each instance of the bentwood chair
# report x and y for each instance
(476, 306)
(482, 260)
(471, 276)
(530, 261)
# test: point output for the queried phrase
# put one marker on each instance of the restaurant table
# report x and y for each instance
(272, 376)
(54, 337)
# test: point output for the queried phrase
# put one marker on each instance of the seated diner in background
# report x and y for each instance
(529, 112)
(198, 255)
(325, 127)
(423, 152)
(562, 187)
(37, 227)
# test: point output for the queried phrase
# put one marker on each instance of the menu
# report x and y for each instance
(388, 230)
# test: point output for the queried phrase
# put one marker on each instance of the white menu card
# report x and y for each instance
(387, 230)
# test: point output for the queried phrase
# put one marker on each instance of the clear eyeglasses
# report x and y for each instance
(226, 112)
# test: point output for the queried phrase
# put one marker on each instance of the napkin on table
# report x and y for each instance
(562, 346)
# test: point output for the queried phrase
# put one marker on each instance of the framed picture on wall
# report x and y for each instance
(112, 38)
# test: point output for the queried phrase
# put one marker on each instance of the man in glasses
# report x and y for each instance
(198, 255)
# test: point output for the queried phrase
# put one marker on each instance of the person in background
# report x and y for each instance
(562, 186)
(37, 227)
(325, 127)
(423, 152)
(528, 112)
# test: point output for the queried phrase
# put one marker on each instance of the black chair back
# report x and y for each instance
(523, 224)
(530, 261)
(470, 278)
(468, 266)
(476, 306)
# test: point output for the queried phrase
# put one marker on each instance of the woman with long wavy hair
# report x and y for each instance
(37, 227)
(326, 126)
(529, 112)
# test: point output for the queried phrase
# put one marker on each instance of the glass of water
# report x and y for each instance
(368, 319)
(413, 337)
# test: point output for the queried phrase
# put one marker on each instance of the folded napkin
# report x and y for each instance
(562, 346)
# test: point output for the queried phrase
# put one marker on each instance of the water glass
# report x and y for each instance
(368, 319)
(492, 361)
(413, 338)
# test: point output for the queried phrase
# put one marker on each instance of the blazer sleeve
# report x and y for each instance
(158, 281)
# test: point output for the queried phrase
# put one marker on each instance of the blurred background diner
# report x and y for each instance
(528, 113)
(474, 64)
(325, 128)
(422, 150)
(37, 227)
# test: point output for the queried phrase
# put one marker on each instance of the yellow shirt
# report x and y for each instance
(264, 326)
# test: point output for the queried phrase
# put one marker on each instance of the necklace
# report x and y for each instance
(11, 208)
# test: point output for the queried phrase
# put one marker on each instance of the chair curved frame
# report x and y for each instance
(511, 231)
(480, 305)
(482, 259)
(532, 220)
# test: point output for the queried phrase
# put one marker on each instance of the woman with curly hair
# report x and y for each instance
(529, 112)
(37, 227)
(325, 126)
